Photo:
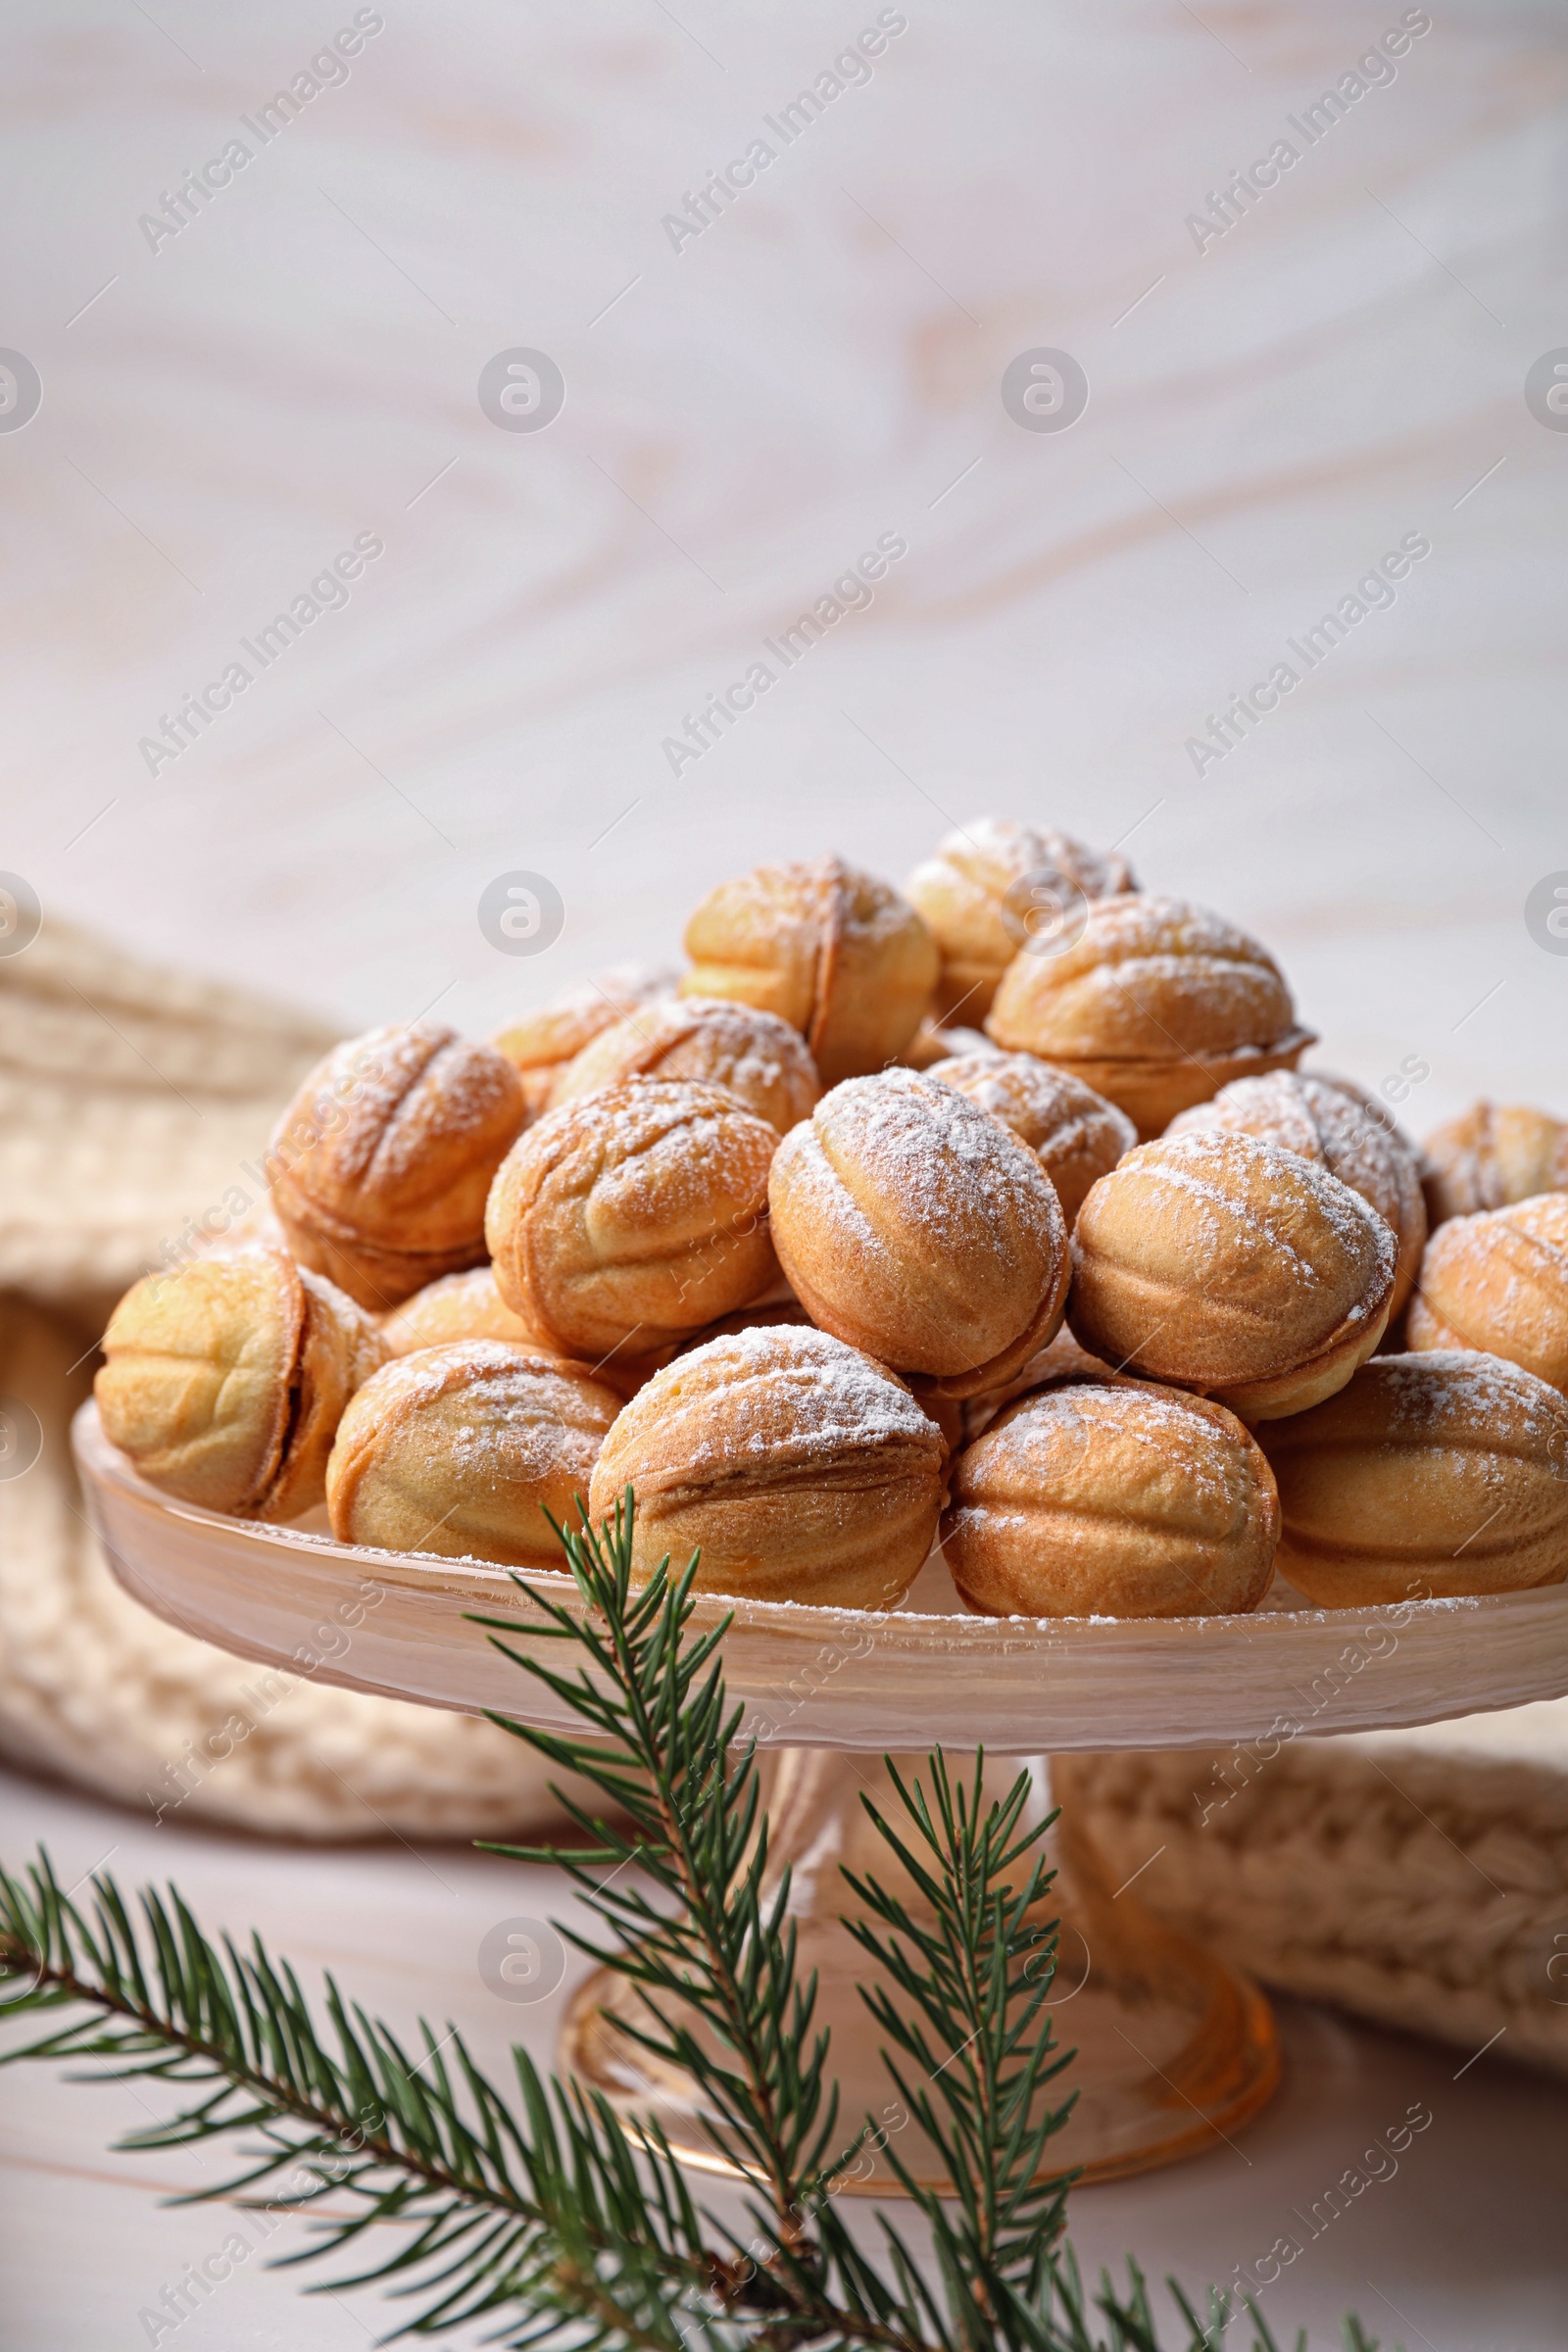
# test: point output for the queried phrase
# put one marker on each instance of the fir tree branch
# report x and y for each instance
(701, 1836)
(549, 2209)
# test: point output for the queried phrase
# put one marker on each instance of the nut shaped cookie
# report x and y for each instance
(226, 1379)
(1077, 1136)
(1224, 1264)
(1494, 1154)
(540, 1045)
(1156, 1006)
(932, 1044)
(1326, 1121)
(763, 1314)
(383, 1159)
(982, 892)
(1112, 1498)
(839, 955)
(462, 1450)
(1498, 1282)
(1426, 1477)
(714, 1040)
(1062, 1358)
(803, 1471)
(628, 1218)
(913, 1225)
(456, 1306)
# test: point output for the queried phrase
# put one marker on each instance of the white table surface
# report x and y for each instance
(743, 415)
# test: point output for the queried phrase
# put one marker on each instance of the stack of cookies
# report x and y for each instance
(998, 1212)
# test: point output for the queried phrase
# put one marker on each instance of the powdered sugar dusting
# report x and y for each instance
(780, 1386)
(1499, 1280)
(1460, 1399)
(1273, 1197)
(1051, 1111)
(709, 1040)
(663, 1153)
(1055, 1430)
(1544, 1219)
(943, 1159)
(428, 1374)
(470, 1420)
(1164, 934)
(1149, 978)
(464, 1090)
(755, 1053)
(1501, 1251)
(1487, 1385)
(378, 1100)
(1315, 1118)
(994, 851)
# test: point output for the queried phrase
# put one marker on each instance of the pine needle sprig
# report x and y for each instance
(712, 1957)
(542, 2207)
(971, 2050)
(493, 2204)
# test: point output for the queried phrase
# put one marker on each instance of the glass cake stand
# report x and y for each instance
(1174, 2048)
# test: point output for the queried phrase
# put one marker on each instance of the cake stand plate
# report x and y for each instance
(1174, 2048)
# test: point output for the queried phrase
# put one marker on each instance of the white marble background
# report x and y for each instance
(743, 416)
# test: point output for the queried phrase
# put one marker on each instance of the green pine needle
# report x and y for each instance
(539, 2207)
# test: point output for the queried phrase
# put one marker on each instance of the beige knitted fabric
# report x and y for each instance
(1419, 1877)
(134, 1105)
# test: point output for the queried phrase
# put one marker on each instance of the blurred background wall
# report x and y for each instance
(243, 377)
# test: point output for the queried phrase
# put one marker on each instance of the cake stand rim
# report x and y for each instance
(925, 1646)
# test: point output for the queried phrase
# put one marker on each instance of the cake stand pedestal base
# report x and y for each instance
(1174, 2051)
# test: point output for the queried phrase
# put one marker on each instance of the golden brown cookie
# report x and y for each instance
(1156, 1006)
(627, 1219)
(1428, 1476)
(840, 956)
(770, 1313)
(1076, 1135)
(1494, 1154)
(948, 1414)
(1326, 1121)
(1226, 1265)
(224, 1381)
(457, 1306)
(462, 1449)
(468, 1307)
(714, 1040)
(984, 895)
(932, 1044)
(803, 1469)
(1105, 1497)
(1498, 1282)
(763, 1314)
(542, 1043)
(1061, 1359)
(913, 1225)
(383, 1159)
